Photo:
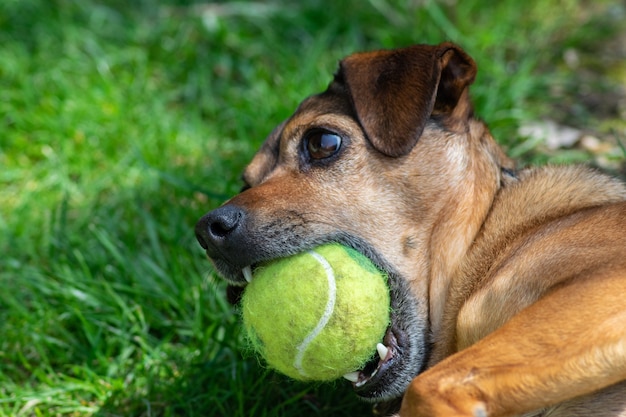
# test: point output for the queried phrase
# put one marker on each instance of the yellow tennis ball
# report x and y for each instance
(317, 315)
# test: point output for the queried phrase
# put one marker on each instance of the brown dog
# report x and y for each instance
(508, 287)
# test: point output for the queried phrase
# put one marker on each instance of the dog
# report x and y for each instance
(508, 285)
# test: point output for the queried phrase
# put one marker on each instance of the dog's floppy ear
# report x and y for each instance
(394, 92)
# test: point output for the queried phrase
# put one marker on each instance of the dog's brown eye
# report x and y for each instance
(322, 144)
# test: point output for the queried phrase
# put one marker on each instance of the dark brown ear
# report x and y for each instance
(394, 92)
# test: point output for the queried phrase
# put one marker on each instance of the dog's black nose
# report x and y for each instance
(218, 225)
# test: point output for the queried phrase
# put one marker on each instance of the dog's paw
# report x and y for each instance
(427, 397)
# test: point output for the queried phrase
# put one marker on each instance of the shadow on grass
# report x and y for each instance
(232, 387)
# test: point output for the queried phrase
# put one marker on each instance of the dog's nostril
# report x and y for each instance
(218, 226)
(220, 229)
(219, 223)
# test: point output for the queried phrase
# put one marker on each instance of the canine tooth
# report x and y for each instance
(247, 273)
(382, 351)
(352, 376)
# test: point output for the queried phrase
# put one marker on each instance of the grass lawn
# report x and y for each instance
(121, 123)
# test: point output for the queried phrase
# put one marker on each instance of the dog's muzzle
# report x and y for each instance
(235, 244)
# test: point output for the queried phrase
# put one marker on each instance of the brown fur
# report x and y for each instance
(508, 287)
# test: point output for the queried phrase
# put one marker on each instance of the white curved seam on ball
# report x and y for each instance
(328, 312)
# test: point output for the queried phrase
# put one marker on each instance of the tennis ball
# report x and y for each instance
(317, 315)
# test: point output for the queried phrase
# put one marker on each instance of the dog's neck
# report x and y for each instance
(474, 177)
(580, 189)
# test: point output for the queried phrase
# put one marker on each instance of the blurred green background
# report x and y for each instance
(122, 122)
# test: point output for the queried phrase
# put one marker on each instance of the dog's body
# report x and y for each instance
(508, 288)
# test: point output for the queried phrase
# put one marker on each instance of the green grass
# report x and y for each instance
(121, 123)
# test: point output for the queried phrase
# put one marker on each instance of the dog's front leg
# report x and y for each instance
(569, 343)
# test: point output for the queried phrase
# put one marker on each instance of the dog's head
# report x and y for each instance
(376, 162)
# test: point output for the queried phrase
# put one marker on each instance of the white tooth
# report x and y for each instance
(352, 376)
(382, 351)
(247, 273)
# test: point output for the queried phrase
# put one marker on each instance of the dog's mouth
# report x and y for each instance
(401, 354)
(387, 350)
